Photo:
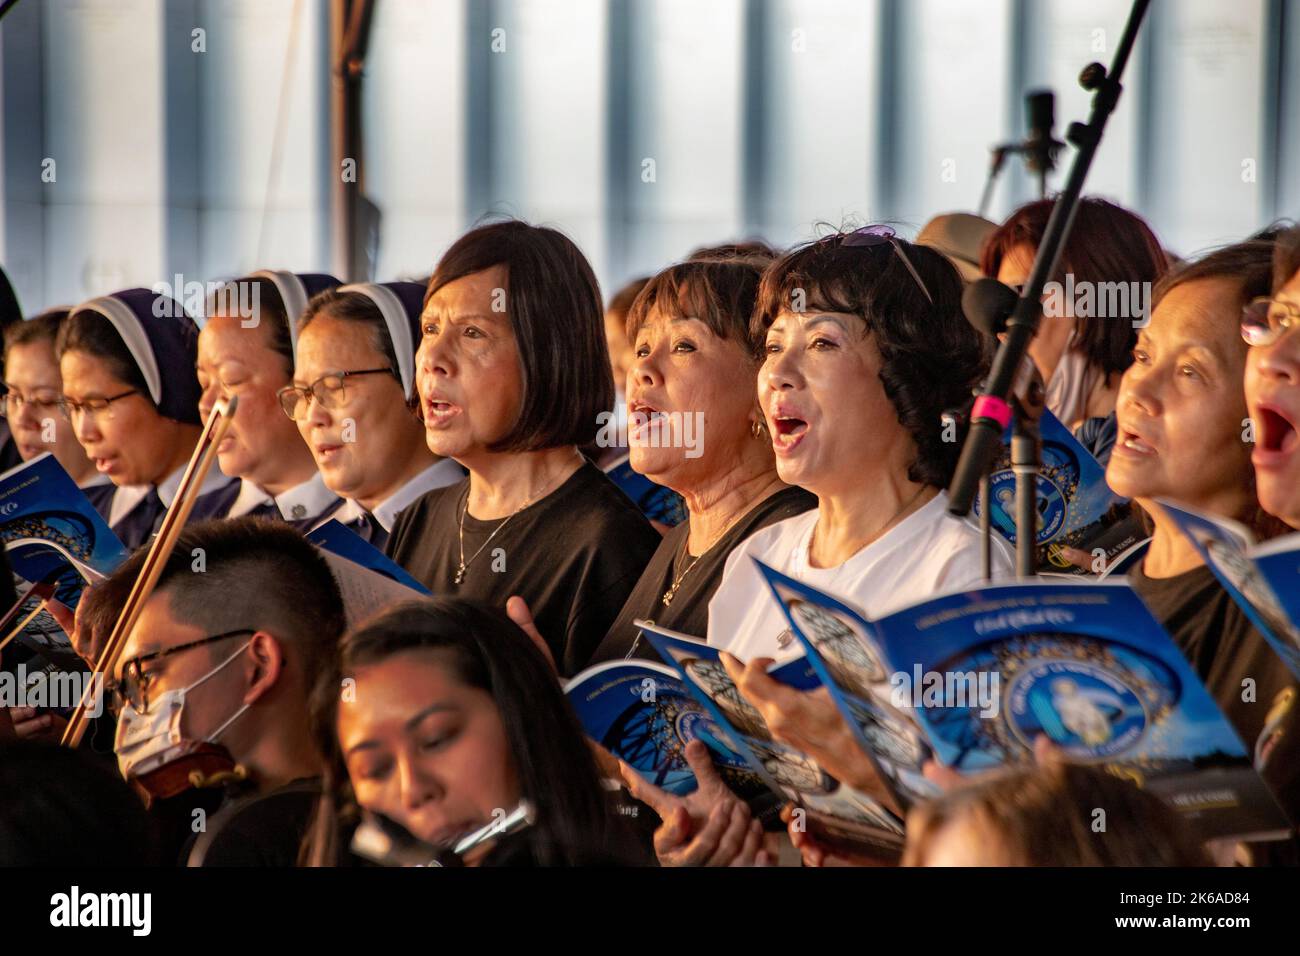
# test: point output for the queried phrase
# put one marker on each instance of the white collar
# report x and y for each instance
(250, 497)
(307, 500)
(215, 480)
(128, 496)
(441, 473)
(125, 498)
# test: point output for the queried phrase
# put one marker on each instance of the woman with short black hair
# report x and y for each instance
(865, 348)
(514, 376)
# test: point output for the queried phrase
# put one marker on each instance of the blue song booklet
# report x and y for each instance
(837, 813)
(1263, 578)
(973, 678)
(642, 713)
(656, 502)
(1075, 506)
(53, 534)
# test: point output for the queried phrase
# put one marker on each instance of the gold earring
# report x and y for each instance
(757, 429)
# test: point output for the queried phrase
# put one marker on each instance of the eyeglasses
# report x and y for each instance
(14, 401)
(94, 406)
(1264, 320)
(327, 390)
(869, 237)
(134, 684)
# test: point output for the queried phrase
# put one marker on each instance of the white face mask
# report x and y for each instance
(143, 736)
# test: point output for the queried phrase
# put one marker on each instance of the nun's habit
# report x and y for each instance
(400, 303)
(163, 342)
(309, 504)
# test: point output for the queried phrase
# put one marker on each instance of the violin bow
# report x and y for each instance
(205, 451)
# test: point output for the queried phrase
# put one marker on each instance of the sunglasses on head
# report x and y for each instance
(869, 237)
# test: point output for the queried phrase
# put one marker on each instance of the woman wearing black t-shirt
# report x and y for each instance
(1180, 414)
(513, 374)
(693, 370)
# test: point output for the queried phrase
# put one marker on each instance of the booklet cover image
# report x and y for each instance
(837, 812)
(642, 713)
(53, 534)
(1264, 579)
(1075, 506)
(841, 646)
(1089, 667)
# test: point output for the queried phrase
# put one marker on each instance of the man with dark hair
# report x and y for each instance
(225, 651)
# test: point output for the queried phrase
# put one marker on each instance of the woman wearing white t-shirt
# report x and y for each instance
(866, 346)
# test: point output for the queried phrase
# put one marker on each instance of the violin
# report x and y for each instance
(188, 764)
(191, 764)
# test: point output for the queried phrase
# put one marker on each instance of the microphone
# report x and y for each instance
(1040, 148)
(988, 304)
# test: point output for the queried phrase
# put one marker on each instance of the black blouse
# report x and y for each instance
(688, 612)
(574, 556)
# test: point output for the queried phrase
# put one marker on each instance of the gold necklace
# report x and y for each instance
(464, 565)
(667, 598)
(677, 581)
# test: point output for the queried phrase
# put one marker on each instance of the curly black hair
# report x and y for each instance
(932, 357)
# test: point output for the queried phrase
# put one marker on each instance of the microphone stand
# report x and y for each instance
(991, 412)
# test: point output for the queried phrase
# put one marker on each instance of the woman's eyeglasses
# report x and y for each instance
(15, 401)
(95, 407)
(871, 236)
(1264, 320)
(328, 390)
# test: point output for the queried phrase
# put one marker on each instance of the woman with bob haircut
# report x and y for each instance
(456, 718)
(865, 348)
(131, 393)
(353, 397)
(513, 373)
(693, 355)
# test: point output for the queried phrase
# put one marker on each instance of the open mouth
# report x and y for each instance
(438, 411)
(1134, 443)
(1275, 432)
(641, 417)
(787, 432)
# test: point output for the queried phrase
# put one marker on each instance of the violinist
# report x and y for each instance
(218, 666)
